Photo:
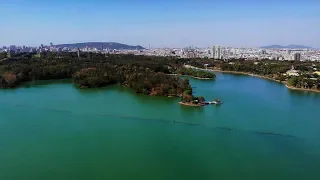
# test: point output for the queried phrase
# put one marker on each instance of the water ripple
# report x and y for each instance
(229, 129)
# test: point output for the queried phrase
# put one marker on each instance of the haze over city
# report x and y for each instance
(161, 24)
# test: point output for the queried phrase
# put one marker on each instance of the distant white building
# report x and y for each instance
(293, 72)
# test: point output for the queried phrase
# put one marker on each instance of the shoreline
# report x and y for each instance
(237, 72)
(79, 87)
(271, 79)
(190, 104)
(191, 77)
(259, 76)
(212, 70)
(248, 74)
(197, 77)
(302, 89)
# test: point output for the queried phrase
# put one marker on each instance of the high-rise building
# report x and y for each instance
(216, 52)
(297, 57)
(288, 51)
(213, 52)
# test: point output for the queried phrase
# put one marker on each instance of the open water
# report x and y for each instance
(52, 130)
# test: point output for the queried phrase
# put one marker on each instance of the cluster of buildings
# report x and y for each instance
(52, 48)
(26, 49)
(17, 49)
(216, 52)
(294, 72)
(219, 52)
(41, 48)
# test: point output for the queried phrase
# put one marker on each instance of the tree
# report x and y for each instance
(3, 55)
(9, 80)
(188, 91)
(187, 97)
(293, 81)
(201, 99)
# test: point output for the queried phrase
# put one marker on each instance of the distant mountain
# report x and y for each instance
(99, 45)
(291, 46)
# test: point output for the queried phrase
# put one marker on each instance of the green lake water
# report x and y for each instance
(51, 130)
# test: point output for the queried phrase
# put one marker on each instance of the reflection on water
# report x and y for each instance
(189, 109)
(88, 91)
(303, 93)
(46, 82)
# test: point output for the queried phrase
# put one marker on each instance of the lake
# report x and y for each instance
(52, 130)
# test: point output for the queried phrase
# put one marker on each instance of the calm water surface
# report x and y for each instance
(52, 130)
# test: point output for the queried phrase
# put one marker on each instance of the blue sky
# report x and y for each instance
(165, 23)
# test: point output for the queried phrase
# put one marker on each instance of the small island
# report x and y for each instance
(189, 100)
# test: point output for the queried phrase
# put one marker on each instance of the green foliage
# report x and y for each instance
(187, 87)
(92, 77)
(260, 69)
(201, 99)
(195, 73)
(38, 55)
(188, 91)
(293, 81)
(9, 80)
(3, 55)
(144, 74)
(280, 77)
(267, 68)
(187, 97)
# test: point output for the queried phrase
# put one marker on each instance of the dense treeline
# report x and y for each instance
(144, 74)
(147, 75)
(307, 79)
(305, 82)
(195, 73)
(3, 55)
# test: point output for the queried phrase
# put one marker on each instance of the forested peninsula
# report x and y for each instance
(150, 75)
(144, 74)
(297, 75)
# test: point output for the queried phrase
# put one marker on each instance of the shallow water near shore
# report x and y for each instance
(52, 130)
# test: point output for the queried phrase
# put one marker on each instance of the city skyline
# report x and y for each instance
(161, 24)
(216, 52)
(51, 44)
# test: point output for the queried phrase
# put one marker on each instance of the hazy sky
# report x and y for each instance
(161, 23)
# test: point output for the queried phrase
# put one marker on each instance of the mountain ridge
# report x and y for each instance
(99, 45)
(291, 46)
